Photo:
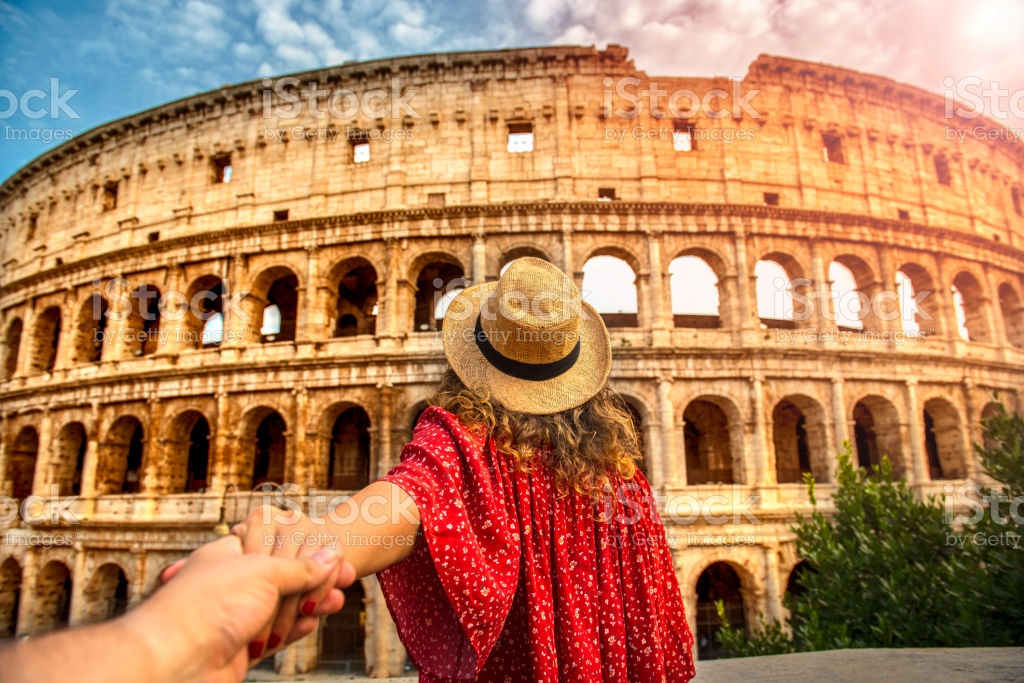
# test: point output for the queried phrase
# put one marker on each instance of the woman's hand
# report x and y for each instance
(288, 534)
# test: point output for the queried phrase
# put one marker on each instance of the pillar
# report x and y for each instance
(972, 432)
(384, 431)
(311, 320)
(479, 258)
(656, 292)
(760, 455)
(79, 607)
(674, 476)
(27, 601)
(222, 466)
(747, 314)
(915, 428)
(773, 589)
(41, 477)
(839, 430)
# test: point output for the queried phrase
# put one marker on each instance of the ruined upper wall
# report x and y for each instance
(453, 150)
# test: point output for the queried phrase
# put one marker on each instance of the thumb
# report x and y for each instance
(301, 575)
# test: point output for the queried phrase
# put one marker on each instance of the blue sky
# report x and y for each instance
(124, 56)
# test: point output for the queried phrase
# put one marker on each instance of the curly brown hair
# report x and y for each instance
(589, 445)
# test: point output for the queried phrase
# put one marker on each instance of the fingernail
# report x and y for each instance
(308, 607)
(273, 641)
(325, 556)
(255, 649)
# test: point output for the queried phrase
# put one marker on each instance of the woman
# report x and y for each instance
(539, 553)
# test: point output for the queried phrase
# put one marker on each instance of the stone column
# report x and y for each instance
(149, 481)
(841, 435)
(299, 469)
(822, 286)
(384, 429)
(172, 339)
(311, 306)
(915, 427)
(479, 257)
(222, 466)
(90, 464)
(995, 321)
(41, 476)
(656, 293)
(673, 475)
(567, 260)
(746, 313)
(79, 607)
(760, 456)
(391, 291)
(237, 330)
(138, 584)
(25, 352)
(773, 589)
(972, 432)
(6, 485)
(27, 601)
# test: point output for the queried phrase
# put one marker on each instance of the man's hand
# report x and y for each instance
(195, 628)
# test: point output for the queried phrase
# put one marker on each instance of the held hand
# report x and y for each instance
(288, 534)
(199, 626)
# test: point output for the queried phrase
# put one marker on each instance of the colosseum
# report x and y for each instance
(318, 242)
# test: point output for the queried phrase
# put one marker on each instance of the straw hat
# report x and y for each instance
(528, 339)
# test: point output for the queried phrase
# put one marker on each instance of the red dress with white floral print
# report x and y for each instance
(516, 582)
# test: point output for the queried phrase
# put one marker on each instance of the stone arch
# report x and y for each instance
(51, 604)
(851, 306)
(778, 277)
(264, 445)
(21, 462)
(877, 433)
(352, 307)
(641, 420)
(713, 440)
(943, 439)
(46, 340)
(142, 327)
(1012, 310)
(106, 594)
(348, 463)
(90, 330)
(119, 466)
(799, 427)
(609, 285)
(202, 325)
(970, 304)
(507, 257)
(187, 454)
(343, 634)
(695, 289)
(12, 347)
(69, 458)
(718, 581)
(273, 304)
(10, 597)
(913, 280)
(794, 585)
(437, 277)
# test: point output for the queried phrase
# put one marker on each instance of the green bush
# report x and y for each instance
(891, 571)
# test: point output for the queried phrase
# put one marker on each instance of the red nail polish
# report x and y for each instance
(273, 641)
(308, 607)
(255, 649)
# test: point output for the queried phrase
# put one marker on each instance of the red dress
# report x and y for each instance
(515, 583)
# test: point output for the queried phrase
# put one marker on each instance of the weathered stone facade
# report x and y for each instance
(201, 195)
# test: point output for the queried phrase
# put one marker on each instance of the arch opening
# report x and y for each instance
(106, 594)
(12, 347)
(708, 444)
(69, 458)
(355, 307)
(21, 462)
(718, 582)
(799, 436)
(437, 284)
(120, 458)
(943, 438)
(91, 330)
(51, 606)
(970, 308)
(609, 285)
(694, 291)
(343, 634)
(10, 597)
(269, 448)
(349, 466)
(46, 340)
(877, 433)
(1013, 314)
